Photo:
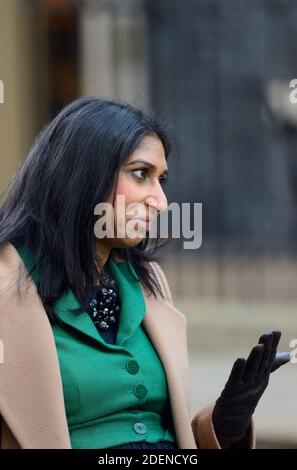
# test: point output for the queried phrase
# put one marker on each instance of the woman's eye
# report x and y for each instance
(143, 173)
(140, 170)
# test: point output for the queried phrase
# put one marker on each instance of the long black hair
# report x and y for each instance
(73, 165)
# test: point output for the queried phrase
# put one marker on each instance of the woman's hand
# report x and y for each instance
(246, 384)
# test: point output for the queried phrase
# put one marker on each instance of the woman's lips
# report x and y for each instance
(146, 223)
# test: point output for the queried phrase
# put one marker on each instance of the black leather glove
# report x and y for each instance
(246, 384)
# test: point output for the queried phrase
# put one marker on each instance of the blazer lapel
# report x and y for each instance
(167, 329)
(31, 392)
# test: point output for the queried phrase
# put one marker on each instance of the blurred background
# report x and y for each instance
(218, 72)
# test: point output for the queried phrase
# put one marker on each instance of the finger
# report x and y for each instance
(237, 371)
(267, 340)
(253, 363)
(275, 341)
(280, 359)
(277, 336)
(263, 338)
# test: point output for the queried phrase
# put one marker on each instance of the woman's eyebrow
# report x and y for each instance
(150, 165)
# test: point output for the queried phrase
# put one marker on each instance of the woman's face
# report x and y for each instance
(139, 193)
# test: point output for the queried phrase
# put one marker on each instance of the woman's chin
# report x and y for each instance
(135, 241)
(132, 241)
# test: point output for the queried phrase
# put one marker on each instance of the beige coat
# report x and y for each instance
(32, 411)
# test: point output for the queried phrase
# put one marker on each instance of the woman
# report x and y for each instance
(95, 353)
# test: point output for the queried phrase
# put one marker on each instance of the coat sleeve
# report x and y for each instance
(205, 436)
(201, 423)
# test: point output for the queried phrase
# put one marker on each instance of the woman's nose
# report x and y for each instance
(158, 200)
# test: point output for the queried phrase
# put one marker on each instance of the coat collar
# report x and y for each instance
(31, 392)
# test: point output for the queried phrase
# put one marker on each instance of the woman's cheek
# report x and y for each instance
(124, 188)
